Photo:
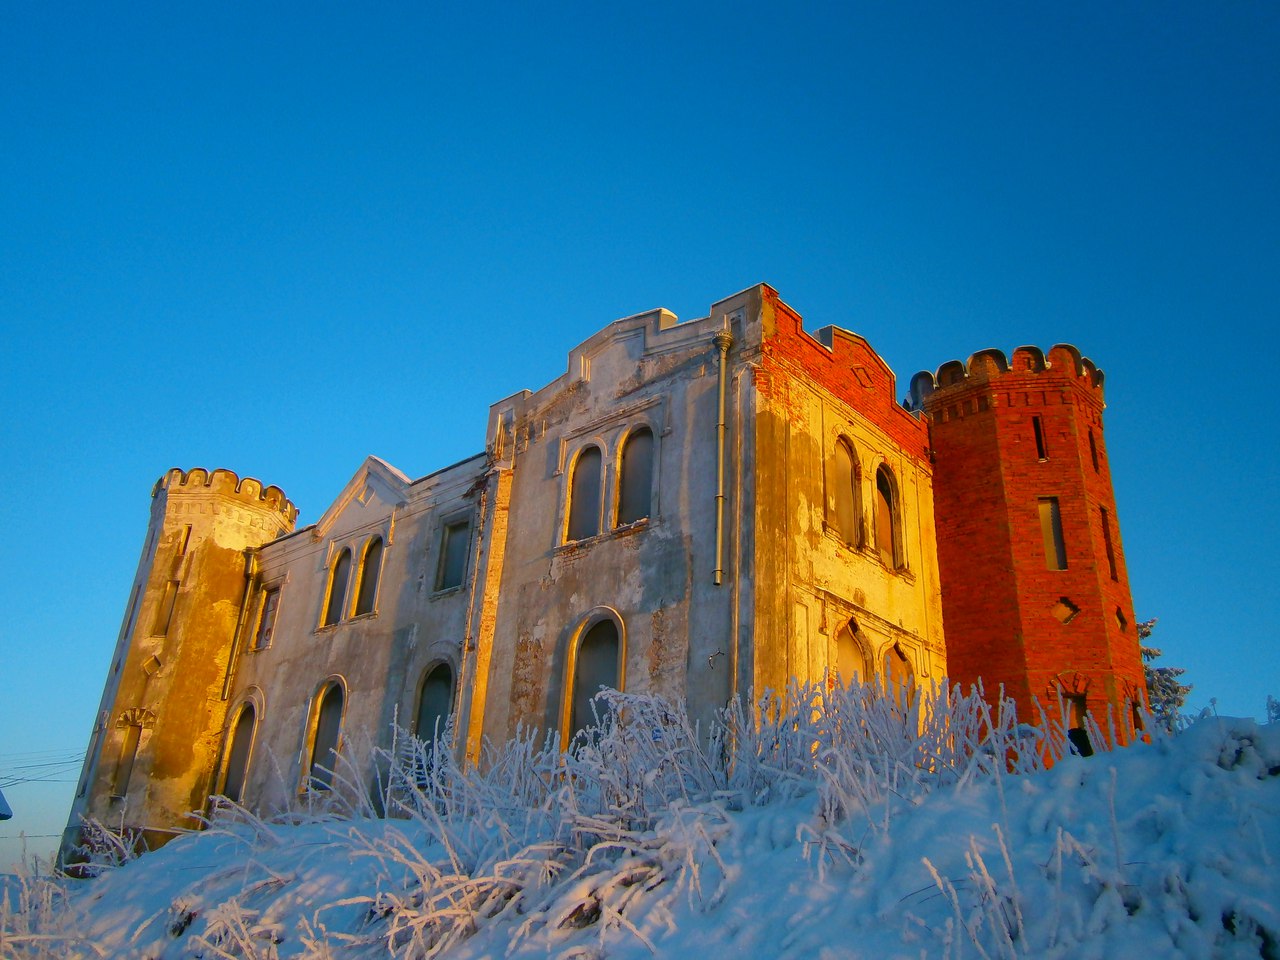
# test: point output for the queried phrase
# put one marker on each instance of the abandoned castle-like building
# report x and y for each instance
(700, 510)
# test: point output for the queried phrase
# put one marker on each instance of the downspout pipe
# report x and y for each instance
(723, 341)
(250, 572)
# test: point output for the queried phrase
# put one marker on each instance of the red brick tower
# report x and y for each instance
(1035, 595)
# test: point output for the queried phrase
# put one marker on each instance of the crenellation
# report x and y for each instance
(226, 483)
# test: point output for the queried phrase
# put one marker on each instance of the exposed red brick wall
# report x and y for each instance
(997, 590)
(849, 370)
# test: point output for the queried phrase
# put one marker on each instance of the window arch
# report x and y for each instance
(843, 500)
(595, 661)
(238, 750)
(326, 738)
(851, 659)
(635, 477)
(435, 704)
(370, 568)
(335, 603)
(888, 519)
(584, 495)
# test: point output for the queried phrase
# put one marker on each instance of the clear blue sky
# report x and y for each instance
(279, 238)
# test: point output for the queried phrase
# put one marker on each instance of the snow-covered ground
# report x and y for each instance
(845, 826)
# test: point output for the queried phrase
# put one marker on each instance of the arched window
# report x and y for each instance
(584, 496)
(435, 704)
(595, 665)
(635, 484)
(338, 577)
(369, 571)
(888, 521)
(898, 673)
(851, 661)
(238, 747)
(128, 755)
(842, 493)
(326, 740)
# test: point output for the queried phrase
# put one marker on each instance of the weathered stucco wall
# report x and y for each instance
(380, 657)
(812, 577)
(158, 733)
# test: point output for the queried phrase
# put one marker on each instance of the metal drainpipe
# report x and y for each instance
(250, 571)
(723, 341)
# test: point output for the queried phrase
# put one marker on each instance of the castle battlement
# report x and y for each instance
(987, 366)
(226, 483)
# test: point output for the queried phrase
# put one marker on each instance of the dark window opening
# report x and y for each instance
(238, 754)
(435, 704)
(267, 618)
(338, 588)
(888, 525)
(1077, 732)
(1055, 548)
(369, 571)
(1106, 542)
(1093, 450)
(324, 746)
(596, 666)
(1041, 450)
(584, 502)
(842, 494)
(453, 555)
(636, 479)
(186, 541)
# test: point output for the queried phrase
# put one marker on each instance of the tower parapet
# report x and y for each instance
(160, 720)
(225, 483)
(986, 368)
(1035, 593)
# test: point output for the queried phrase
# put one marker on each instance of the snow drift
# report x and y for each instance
(835, 824)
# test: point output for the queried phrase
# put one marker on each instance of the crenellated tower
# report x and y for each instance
(1035, 594)
(158, 729)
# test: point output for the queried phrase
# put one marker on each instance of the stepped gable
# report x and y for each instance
(226, 483)
(987, 367)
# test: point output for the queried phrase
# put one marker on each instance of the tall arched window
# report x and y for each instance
(435, 704)
(238, 747)
(336, 604)
(584, 496)
(842, 493)
(635, 481)
(851, 661)
(595, 665)
(369, 571)
(326, 741)
(888, 521)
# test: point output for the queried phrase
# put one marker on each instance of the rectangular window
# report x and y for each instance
(1106, 540)
(453, 554)
(1041, 450)
(1055, 549)
(186, 541)
(164, 613)
(1093, 450)
(266, 618)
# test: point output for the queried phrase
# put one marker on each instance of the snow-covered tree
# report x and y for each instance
(1165, 694)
